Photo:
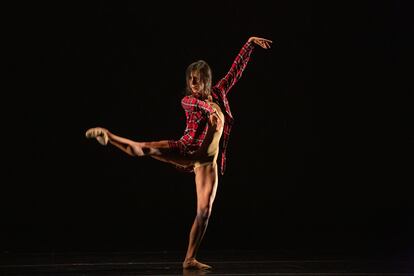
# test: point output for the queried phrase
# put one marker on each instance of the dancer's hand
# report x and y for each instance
(262, 42)
(215, 120)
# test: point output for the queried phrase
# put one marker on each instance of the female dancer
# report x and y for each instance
(208, 119)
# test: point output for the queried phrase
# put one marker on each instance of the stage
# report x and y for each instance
(223, 262)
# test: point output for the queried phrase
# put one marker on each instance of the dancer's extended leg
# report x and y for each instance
(159, 150)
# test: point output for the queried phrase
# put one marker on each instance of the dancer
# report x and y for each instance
(208, 118)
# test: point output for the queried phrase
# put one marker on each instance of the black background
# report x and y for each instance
(320, 156)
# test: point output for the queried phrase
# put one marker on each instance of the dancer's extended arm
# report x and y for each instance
(240, 63)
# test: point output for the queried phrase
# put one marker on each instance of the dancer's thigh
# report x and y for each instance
(176, 159)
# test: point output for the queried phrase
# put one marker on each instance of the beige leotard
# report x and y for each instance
(209, 150)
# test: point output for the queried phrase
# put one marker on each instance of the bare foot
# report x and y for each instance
(194, 264)
(99, 133)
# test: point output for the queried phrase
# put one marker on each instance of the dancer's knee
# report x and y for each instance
(203, 214)
(150, 148)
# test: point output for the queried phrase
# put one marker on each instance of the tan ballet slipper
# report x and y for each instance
(99, 133)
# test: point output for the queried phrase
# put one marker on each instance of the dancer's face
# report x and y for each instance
(195, 84)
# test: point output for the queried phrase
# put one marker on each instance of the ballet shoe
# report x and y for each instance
(98, 133)
(195, 265)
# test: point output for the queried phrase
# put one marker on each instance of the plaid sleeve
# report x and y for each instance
(183, 144)
(237, 68)
(176, 145)
(192, 104)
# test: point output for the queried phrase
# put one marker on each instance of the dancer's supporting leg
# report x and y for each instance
(206, 178)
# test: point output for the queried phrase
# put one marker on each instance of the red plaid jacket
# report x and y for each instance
(197, 112)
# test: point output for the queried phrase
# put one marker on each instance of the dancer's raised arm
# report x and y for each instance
(240, 63)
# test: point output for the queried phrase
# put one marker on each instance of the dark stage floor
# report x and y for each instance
(224, 263)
